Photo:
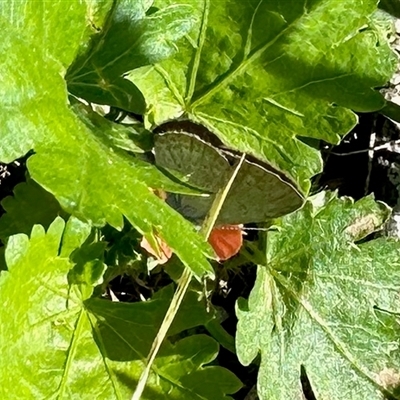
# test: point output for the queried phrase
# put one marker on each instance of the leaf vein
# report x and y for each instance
(238, 69)
(197, 54)
(170, 84)
(394, 288)
(70, 354)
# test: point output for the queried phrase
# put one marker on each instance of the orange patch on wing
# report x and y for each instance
(164, 253)
(226, 241)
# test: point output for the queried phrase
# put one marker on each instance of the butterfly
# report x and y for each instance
(258, 193)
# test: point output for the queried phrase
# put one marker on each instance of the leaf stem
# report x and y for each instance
(173, 308)
(197, 56)
(218, 202)
(71, 354)
(183, 284)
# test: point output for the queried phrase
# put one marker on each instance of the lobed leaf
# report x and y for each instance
(81, 169)
(262, 75)
(30, 205)
(58, 344)
(325, 303)
(130, 39)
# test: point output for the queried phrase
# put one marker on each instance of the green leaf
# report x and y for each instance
(89, 267)
(94, 348)
(87, 276)
(261, 75)
(122, 255)
(36, 321)
(88, 178)
(30, 205)
(130, 39)
(179, 368)
(3, 265)
(324, 302)
(392, 111)
(55, 29)
(133, 139)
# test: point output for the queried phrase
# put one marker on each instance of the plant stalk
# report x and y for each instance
(183, 284)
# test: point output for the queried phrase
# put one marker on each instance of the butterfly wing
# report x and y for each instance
(257, 194)
(202, 164)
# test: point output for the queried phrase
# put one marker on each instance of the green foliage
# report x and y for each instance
(324, 302)
(88, 179)
(132, 139)
(22, 211)
(61, 345)
(264, 77)
(129, 39)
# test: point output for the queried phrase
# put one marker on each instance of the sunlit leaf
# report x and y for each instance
(130, 39)
(326, 303)
(88, 178)
(56, 344)
(261, 75)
